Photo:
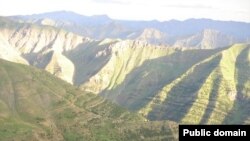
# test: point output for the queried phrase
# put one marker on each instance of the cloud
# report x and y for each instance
(197, 6)
(236, 10)
(121, 2)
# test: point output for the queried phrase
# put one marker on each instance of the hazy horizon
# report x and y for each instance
(147, 20)
(146, 10)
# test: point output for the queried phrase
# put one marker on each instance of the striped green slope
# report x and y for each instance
(34, 105)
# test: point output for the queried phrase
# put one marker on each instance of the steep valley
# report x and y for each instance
(203, 85)
(187, 86)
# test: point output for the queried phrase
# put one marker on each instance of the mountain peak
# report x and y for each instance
(101, 16)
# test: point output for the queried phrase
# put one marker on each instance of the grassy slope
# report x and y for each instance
(208, 92)
(189, 86)
(124, 56)
(143, 82)
(35, 105)
(127, 59)
(164, 83)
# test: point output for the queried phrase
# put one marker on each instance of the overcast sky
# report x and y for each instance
(236, 10)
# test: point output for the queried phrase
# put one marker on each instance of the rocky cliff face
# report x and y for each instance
(152, 36)
(72, 57)
(43, 47)
(208, 39)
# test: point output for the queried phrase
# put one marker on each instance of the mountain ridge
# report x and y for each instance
(38, 106)
(182, 84)
(104, 27)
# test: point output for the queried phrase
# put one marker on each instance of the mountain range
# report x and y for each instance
(152, 73)
(194, 33)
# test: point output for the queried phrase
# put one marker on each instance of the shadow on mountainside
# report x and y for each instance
(182, 96)
(145, 81)
(40, 59)
(213, 95)
(86, 60)
(241, 109)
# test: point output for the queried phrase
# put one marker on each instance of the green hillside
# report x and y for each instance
(211, 91)
(188, 86)
(35, 105)
(180, 84)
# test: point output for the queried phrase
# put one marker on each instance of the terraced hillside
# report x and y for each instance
(34, 105)
(125, 56)
(190, 86)
(161, 83)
